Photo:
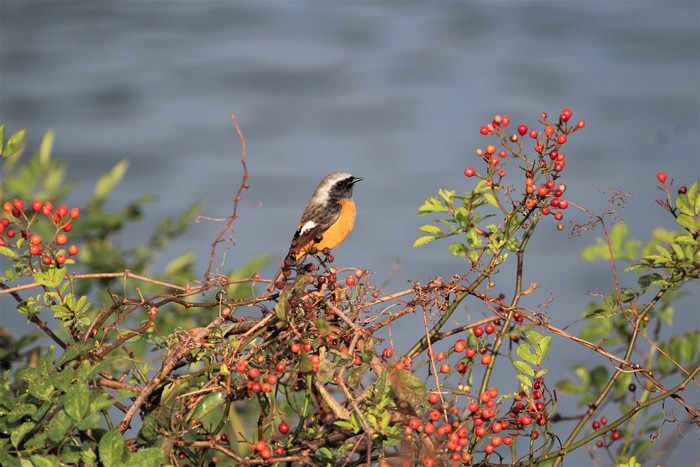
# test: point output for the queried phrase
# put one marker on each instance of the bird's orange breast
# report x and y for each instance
(339, 231)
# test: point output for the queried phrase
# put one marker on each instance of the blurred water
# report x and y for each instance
(393, 92)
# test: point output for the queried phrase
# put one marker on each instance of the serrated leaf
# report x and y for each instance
(111, 449)
(524, 351)
(523, 368)
(10, 253)
(420, 241)
(458, 249)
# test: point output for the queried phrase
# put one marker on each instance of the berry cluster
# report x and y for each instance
(543, 192)
(16, 230)
(481, 423)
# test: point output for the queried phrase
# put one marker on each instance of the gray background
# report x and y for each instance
(391, 91)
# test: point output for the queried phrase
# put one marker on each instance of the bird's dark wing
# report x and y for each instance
(315, 221)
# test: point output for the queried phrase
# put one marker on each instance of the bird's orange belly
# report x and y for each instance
(338, 232)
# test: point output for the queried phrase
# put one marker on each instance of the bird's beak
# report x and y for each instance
(356, 179)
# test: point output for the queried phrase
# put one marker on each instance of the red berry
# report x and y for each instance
(359, 273)
(433, 397)
(470, 352)
(565, 115)
(522, 129)
(469, 171)
(485, 359)
(61, 239)
(542, 191)
(60, 259)
(74, 213)
(445, 368)
(388, 352)
(484, 130)
(489, 328)
(7, 207)
(661, 177)
(62, 210)
(533, 134)
(561, 139)
(599, 444)
(36, 239)
(505, 120)
(284, 428)
(73, 250)
(581, 124)
(35, 250)
(478, 331)
(559, 216)
(460, 345)
(37, 205)
(18, 204)
(350, 281)
(46, 260)
(563, 204)
(253, 373)
(280, 367)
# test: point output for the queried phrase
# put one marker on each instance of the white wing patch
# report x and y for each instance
(307, 227)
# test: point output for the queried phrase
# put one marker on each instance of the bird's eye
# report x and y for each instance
(340, 184)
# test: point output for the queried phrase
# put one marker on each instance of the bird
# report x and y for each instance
(327, 220)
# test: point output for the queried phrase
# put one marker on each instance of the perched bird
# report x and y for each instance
(327, 220)
(329, 215)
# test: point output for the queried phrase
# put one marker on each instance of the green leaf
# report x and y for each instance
(525, 352)
(431, 229)
(46, 146)
(458, 249)
(19, 432)
(10, 253)
(523, 368)
(76, 402)
(208, 404)
(106, 184)
(148, 457)
(44, 461)
(525, 383)
(112, 450)
(73, 352)
(14, 144)
(420, 241)
(59, 426)
(180, 263)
